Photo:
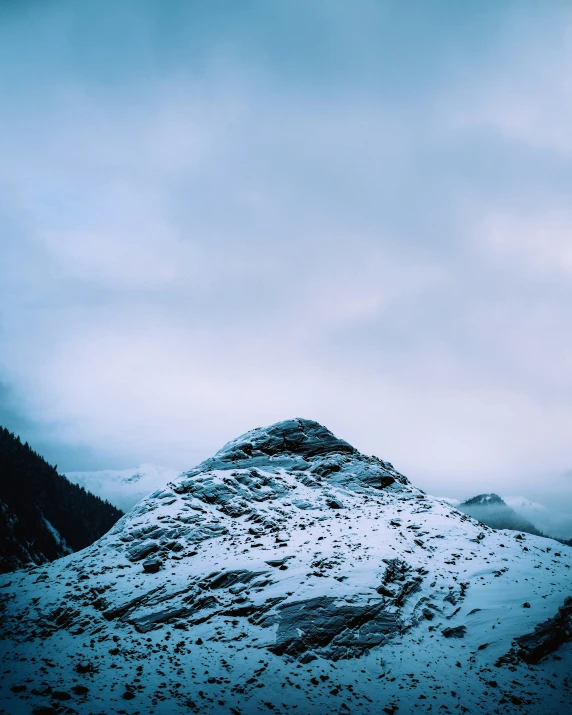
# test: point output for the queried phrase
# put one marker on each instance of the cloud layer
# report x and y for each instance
(214, 219)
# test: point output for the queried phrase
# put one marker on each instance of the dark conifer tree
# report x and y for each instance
(37, 504)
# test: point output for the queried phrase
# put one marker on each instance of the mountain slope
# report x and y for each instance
(124, 487)
(490, 509)
(290, 573)
(42, 515)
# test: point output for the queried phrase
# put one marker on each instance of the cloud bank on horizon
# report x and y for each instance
(216, 216)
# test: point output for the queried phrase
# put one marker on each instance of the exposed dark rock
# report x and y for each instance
(141, 550)
(304, 438)
(152, 564)
(547, 636)
(384, 482)
(276, 563)
(41, 690)
(85, 667)
(124, 608)
(190, 611)
(296, 445)
(61, 695)
(457, 632)
(152, 620)
(326, 621)
(334, 504)
(45, 710)
(225, 579)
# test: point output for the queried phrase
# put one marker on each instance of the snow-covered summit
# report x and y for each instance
(301, 445)
(290, 573)
(484, 499)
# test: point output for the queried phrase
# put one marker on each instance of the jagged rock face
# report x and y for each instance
(302, 445)
(288, 573)
(303, 438)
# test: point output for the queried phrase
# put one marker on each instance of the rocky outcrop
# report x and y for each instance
(303, 445)
(332, 628)
(547, 637)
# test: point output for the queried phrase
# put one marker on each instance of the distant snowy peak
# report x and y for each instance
(484, 499)
(124, 487)
(491, 509)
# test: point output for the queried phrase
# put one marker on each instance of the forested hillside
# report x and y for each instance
(42, 514)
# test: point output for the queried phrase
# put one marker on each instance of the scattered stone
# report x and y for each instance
(152, 564)
(276, 563)
(45, 710)
(85, 667)
(334, 503)
(79, 689)
(61, 695)
(457, 632)
(42, 690)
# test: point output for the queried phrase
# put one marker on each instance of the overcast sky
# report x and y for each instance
(216, 215)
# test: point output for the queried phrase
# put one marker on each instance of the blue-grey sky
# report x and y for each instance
(215, 215)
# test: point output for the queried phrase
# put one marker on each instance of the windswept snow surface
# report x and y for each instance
(124, 487)
(291, 574)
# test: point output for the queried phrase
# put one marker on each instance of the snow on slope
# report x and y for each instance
(124, 487)
(290, 573)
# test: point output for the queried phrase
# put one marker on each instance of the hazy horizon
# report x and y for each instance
(215, 217)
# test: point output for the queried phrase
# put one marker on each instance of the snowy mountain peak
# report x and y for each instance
(291, 573)
(484, 499)
(301, 445)
(300, 437)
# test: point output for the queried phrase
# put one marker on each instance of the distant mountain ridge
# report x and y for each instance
(492, 510)
(43, 516)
